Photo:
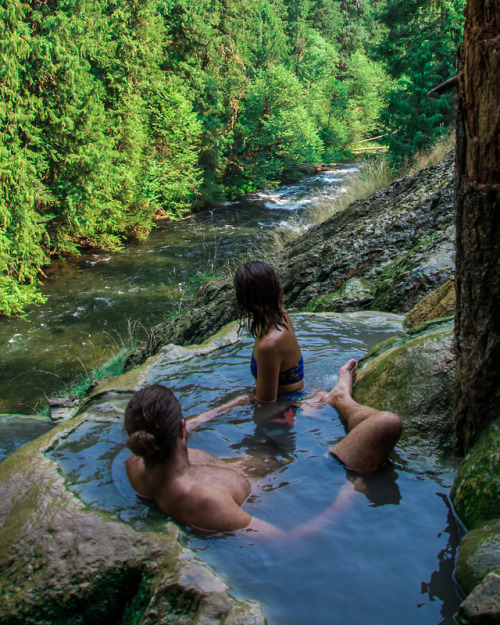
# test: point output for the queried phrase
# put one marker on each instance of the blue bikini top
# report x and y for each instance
(290, 376)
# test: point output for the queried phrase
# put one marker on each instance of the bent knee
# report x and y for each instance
(392, 424)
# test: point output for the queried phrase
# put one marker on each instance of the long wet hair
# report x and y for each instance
(259, 293)
(152, 420)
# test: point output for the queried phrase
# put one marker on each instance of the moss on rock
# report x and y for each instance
(412, 375)
(436, 305)
(476, 489)
(353, 295)
(478, 555)
(416, 272)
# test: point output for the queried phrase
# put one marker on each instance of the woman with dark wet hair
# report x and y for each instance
(276, 363)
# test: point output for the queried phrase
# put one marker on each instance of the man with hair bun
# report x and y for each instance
(202, 491)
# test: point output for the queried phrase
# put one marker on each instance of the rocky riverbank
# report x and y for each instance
(381, 253)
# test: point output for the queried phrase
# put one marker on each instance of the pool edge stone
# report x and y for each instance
(60, 558)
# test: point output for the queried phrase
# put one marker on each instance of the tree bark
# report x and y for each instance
(477, 203)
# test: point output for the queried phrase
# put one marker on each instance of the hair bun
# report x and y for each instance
(143, 444)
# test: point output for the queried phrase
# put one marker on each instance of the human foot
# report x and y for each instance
(345, 382)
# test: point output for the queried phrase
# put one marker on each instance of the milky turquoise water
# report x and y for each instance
(385, 560)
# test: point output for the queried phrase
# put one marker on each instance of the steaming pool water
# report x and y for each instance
(387, 559)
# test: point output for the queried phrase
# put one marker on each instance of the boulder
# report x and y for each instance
(478, 555)
(482, 606)
(412, 374)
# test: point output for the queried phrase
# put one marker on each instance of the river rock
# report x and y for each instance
(62, 562)
(412, 374)
(478, 555)
(482, 606)
(62, 408)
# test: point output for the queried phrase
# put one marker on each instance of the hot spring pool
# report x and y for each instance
(386, 560)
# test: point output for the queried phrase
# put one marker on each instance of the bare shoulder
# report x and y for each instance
(212, 508)
(137, 475)
(199, 456)
(134, 465)
(268, 344)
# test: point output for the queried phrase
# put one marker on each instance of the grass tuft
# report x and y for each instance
(377, 174)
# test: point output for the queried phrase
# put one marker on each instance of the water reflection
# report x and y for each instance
(273, 439)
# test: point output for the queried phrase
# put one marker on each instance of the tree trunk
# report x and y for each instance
(477, 203)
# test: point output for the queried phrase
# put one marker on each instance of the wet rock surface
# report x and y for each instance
(476, 497)
(482, 606)
(412, 374)
(399, 240)
(476, 490)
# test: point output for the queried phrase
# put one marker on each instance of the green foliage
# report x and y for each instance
(112, 113)
(22, 231)
(276, 130)
(170, 176)
(420, 52)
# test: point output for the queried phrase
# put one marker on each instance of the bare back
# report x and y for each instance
(275, 352)
(205, 494)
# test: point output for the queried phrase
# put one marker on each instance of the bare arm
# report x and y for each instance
(194, 422)
(268, 371)
(264, 530)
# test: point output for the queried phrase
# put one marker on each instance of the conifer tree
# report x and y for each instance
(22, 229)
(420, 51)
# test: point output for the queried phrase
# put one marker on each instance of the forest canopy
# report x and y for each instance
(112, 113)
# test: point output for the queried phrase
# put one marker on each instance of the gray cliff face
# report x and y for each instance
(381, 253)
(399, 242)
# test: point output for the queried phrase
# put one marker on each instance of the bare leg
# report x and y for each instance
(372, 433)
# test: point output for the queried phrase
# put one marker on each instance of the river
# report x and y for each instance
(99, 303)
